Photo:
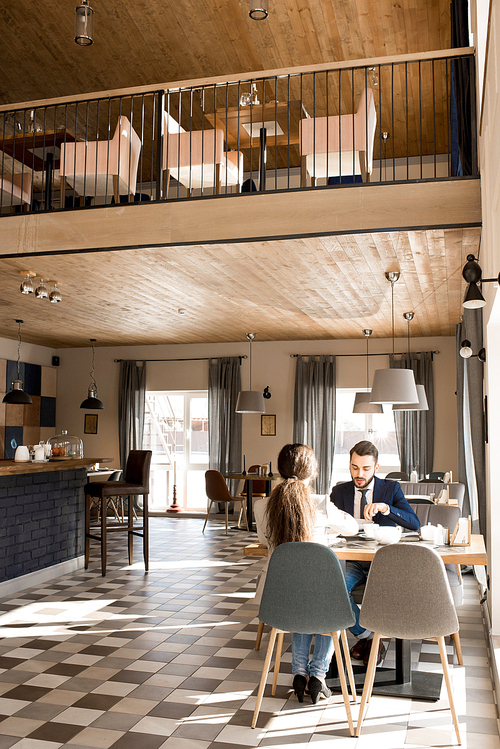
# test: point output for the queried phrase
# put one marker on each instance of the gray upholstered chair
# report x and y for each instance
(398, 476)
(305, 592)
(400, 602)
(217, 491)
(447, 516)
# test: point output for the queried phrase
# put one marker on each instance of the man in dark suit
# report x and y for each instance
(369, 498)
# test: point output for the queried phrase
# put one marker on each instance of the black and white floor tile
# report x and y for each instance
(167, 661)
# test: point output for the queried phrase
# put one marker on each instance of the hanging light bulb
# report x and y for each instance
(27, 283)
(250, 401)
(421, 404)
(55, 294)
(41, 290)
(393, 385)
(84, 24)
(17, 395)
(92, 401)
(362, 403)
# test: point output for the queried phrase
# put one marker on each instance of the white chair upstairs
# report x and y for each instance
(15, 189)
(102, 167)
(340, 146)
(197, 158)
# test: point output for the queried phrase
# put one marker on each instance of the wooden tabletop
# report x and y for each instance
(233, 119)
(32, 148)
(364, 551)
(11, 467)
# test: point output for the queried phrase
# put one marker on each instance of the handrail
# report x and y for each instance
(242, 77)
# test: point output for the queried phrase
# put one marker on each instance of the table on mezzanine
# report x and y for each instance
(240, 125)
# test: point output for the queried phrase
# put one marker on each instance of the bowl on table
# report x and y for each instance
(370, 529)
(388, 534)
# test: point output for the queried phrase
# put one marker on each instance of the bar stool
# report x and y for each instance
(135, 483)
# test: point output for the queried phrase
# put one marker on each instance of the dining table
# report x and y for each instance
(250, 478)
(38, 150)
(240, 125)
(402, 680)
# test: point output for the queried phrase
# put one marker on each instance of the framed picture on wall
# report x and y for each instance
(90, 425)
(268, 425)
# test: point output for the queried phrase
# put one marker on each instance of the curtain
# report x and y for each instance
(314, 412)
(462, 94)
(415, 429)
(470, 412)
(131, 403)
(224, 424)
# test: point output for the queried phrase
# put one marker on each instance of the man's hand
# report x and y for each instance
(372, 509)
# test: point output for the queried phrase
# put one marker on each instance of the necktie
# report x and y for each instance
(363, 503)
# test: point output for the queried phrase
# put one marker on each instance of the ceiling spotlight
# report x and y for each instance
(259, 9)
(27, 284)
(41, 290)
(84, 24)
(181, 311)
(55, 294)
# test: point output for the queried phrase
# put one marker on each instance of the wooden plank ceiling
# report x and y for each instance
(319, 288)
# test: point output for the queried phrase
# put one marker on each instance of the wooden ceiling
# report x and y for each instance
(142, 42)
(316, 288)
(330, 287)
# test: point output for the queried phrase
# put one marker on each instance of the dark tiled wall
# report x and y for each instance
(42, 520)
(27, 425)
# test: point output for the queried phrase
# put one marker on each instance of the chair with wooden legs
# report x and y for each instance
(135, 483)
(16, 189)
(305, 592)
(217, 491)
(408, 596)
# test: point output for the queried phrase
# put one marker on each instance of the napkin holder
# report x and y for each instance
(444, 496)
(461, 536)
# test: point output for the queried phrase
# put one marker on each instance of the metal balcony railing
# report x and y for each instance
(395, 121)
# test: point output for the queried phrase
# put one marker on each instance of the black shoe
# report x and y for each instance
(317, 688)
(299, 686)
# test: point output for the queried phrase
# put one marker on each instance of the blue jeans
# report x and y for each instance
(322, 655)
(356, 573)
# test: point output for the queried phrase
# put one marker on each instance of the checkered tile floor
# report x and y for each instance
(135, 661)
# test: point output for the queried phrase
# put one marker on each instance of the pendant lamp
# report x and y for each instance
(362, 403)
(250, 401)
(92, 401)
(17, 395)
(422, 404)
(84, 24)
(393, 385)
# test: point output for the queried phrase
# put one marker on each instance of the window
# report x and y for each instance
(351, 428)
(176, 430)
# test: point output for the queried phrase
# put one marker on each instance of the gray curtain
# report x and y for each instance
(131, 403)
(415, 429)
(224, 424)
(470, 412)
(314, 412)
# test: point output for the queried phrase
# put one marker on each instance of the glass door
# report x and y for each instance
(176, 430)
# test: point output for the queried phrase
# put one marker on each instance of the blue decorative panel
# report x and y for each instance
(47, 411)
(12, 374)
(13, 438)
(32, 378)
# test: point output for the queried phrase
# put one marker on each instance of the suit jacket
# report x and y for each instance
(390, 492)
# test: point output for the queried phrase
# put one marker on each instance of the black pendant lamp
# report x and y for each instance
(17, 395)
(92, 401)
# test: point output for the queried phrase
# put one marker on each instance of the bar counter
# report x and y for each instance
(43, 513)
(11, 467)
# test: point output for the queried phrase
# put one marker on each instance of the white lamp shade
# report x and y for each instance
(250, 402)
(422, 404)
(362, 405)
(394, 386)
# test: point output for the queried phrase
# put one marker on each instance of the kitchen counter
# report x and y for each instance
(13, 468)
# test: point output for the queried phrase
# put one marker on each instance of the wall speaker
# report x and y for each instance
(55, 361)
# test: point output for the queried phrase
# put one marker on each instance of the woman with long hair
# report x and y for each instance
(294, 513)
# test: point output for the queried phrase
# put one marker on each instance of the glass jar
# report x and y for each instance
(65, 445)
